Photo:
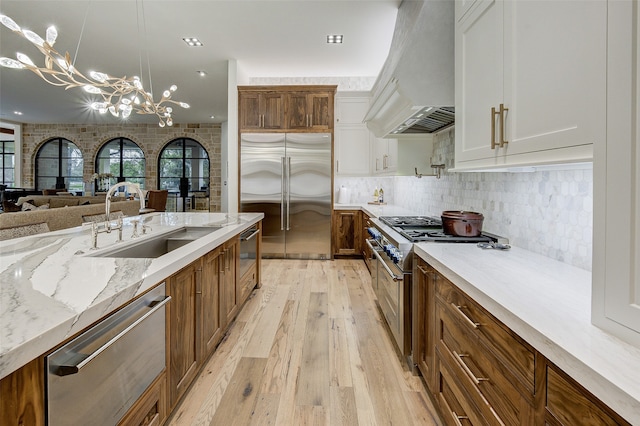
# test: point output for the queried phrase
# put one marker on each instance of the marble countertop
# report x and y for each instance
(547, 303)
(51, 289)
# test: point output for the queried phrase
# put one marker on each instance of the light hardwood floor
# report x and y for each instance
(309, 348)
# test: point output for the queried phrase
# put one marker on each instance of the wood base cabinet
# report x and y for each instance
(22, 395)
(151, 408)
(424, 311)
(183, 329)
(482, 373)
(347, 234)
(568, 403)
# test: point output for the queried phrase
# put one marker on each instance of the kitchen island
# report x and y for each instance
(53, 285)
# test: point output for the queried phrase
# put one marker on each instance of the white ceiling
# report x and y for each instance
(267, 38)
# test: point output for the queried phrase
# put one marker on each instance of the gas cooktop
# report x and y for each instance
(412, 221)
(435, 234)
(429, 228)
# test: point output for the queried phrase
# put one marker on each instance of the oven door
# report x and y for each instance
(389, 287)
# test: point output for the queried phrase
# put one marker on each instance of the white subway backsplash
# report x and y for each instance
(547, 212)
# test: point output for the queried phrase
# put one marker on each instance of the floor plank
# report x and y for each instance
(308, 348)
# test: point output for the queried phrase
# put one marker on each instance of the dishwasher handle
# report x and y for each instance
(66, 370)
(244, 238)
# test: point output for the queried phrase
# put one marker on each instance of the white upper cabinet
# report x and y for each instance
(352, 145)
(616, 245)
(530, 82)
(385, 152)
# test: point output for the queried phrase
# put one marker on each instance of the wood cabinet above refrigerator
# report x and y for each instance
(304, 109)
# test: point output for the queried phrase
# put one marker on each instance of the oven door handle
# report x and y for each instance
(376, 253)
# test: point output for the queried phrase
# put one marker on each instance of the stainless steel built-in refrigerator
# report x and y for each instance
(287, 176)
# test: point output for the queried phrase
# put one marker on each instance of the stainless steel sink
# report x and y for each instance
(158, 245)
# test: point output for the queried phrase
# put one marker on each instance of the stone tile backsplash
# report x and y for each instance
(547, 212)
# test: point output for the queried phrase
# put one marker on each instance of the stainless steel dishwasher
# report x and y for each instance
(96, 377)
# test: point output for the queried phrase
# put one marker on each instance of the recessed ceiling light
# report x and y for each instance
(334, 38)
(212, 117)
(192, 41)
(201, 73)
(17, 112)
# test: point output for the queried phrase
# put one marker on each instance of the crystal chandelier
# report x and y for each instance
(120, 96)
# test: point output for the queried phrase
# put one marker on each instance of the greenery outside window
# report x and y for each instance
(59, 164)
(183, 169)
(122, 158)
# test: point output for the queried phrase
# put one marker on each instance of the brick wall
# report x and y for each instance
(149, 137)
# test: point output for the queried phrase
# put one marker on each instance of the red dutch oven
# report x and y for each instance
(462, 223)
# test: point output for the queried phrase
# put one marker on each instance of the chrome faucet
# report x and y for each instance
(112, 190)
(107, 207)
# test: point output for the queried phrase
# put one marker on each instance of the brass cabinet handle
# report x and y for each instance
(424, 271)
(458, 309)
(457, 418)
(493, 127)
(502, 120)
(467, 370)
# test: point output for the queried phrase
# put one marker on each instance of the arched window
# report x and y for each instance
(122, 158)
(59, 164)
(183, 169)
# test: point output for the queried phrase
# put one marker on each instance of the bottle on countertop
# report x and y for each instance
(376, 195)
(381, 196)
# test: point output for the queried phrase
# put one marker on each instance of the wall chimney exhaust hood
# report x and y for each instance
(414, 92)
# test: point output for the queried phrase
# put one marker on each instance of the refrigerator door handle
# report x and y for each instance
(288, 191)
(282, 192)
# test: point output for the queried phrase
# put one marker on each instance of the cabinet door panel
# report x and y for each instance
(616, 279)
(250, 111)
(273, 111)
(184, 342)
(479, 77)
(297, 111)
(352, 150)
(211, 324)
(554, 51)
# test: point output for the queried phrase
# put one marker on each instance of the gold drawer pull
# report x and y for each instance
(424, 271)
(467, 370)
(458, 308)
(457, 418)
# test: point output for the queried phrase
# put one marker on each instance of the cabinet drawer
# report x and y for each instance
(509, 349)
(489, 382)
(454, 404)
(246, 284)
(568, 404)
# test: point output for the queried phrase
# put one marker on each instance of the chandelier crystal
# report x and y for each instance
(120, 95)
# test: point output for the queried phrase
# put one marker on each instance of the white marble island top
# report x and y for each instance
(547, 303)
(50, 289)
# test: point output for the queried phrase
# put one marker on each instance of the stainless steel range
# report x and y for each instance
(391, 242)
